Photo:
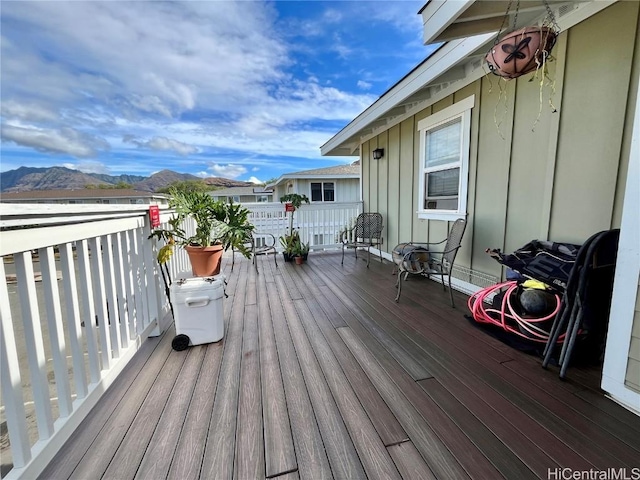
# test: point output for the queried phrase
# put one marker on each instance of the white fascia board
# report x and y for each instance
(438, 15)
(443, 59)
(320, 177)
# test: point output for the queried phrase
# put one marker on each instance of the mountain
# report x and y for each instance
(13, 177)
(25, 179)
(162, 179)
(130, 179)
(48, 179)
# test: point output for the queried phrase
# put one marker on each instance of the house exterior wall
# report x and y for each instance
(560, 177)
(346, 189)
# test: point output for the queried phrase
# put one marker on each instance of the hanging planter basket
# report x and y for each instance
(520, 52)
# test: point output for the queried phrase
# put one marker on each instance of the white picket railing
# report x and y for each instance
(318, 224)
(71, 320)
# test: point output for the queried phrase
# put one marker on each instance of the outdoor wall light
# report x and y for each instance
(378, 153)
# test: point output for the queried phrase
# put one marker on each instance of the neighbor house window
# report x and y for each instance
(323, 192)
(263, 198)
(444, 162)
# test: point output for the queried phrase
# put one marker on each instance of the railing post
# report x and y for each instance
(34, 343)
(56, 332)
(151, 279)
(11, 382)
(73, 319)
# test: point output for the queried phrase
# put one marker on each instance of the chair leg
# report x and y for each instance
(399, 282)
(275, 258)
(342, 261)
(453, 305)
(368, 256)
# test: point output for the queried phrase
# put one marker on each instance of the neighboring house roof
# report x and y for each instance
(251, 190)
(84, 193)
(339, 171)
(453, 65)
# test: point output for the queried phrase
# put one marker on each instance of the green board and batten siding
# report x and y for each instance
(561, 177)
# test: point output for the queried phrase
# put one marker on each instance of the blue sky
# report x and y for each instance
(244, 90)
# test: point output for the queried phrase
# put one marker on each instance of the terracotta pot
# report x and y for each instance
(299, 260)
(521, 51)
(205, 261)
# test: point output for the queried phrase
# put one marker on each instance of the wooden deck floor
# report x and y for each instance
(322, 375)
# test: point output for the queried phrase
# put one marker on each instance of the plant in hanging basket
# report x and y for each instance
(520, 52)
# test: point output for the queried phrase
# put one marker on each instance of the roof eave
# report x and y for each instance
(373, 118)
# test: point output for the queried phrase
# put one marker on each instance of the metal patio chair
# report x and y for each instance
(366, 233)
(418, 258)
(260, 244)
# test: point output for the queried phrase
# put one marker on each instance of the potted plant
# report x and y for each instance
(218, 226)
(301, 253)
(290, 245)
(291, 240)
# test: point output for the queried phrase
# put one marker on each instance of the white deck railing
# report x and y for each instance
(318, 224)
(71, 320)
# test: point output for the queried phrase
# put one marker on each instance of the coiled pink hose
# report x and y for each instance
(506, 317)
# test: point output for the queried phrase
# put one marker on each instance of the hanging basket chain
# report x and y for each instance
(515, 16)
(504, 20)
(551, 18)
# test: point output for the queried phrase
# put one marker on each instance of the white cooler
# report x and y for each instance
(198, 311)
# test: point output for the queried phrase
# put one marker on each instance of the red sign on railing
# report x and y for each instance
(154, 215)
(288, 207)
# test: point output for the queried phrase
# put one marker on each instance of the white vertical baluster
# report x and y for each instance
(112, 298)
(11, 381)
(130, 274)
(100, 301)
(56, 332)
(89, 315)
(122, 288)
(151, 279)
(34, 343)
(139, 282)
(73, 317)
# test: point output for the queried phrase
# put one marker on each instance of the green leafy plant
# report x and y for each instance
(217, 223)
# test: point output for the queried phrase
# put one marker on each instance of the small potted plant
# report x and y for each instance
(302, 251)
(219, 226)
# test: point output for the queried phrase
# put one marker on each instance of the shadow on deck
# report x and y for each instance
(322, 375)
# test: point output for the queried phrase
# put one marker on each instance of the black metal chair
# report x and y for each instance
(418, 258)
(584, 310)
(260, 244)
(366, 233)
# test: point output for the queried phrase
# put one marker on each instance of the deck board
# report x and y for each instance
(310, 452)
(278, 441)
(321, 374)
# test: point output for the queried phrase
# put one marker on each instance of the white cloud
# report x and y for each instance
(91, 166)
(185, 77)
(162, 143)
(62, 141)
(202, 174)
(227, 171)
(29, 112)
(255, 180)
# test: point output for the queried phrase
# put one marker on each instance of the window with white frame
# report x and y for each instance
(444, 162)
(323, 192)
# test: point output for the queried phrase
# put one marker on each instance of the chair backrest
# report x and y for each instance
(369, 226)
(454, 241)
